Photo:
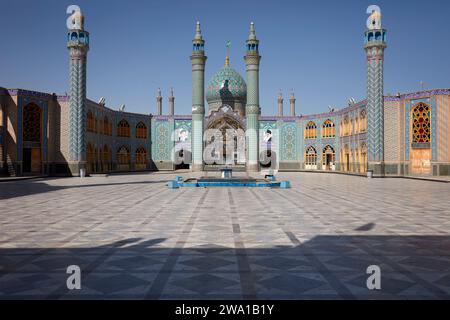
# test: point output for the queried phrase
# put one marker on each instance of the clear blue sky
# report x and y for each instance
(315, 47)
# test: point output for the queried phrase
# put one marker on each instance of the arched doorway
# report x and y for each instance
(328, 158)
(141, 159)
(346, 159)
(421, 135)
(225, 139)
(123, 158)
(363, 157)
(32, 139)
(90, 158)
(311, 158)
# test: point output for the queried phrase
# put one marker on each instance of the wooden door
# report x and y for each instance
(35, 160)
(421, 161)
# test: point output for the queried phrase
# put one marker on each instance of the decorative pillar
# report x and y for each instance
(159, 103)
(280, 104)
(171, 103)
(252, 110)
(375, 43)
(292, 104)
(78, 45)
(198, 60)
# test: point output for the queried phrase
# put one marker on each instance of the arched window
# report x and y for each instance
(346, 126)
(311, 130)
(328, 129)
(141, 130)
(328, 158)
(90, 122)
(141, 156)
(311, 158)
(123, 156)
(123, 129)
(107, 126)
(421, 123)
(362, 121)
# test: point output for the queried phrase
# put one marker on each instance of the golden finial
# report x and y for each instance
(227, 58)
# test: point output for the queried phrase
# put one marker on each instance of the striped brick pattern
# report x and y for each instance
(77, 102)
(375, 110)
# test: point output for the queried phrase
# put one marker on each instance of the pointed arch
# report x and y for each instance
(363, 121)
(328, 129)
(141, 130)
(421, 123)
(123, 129)
(328, 158)
(311, 130)
(141, 158)
(311, 158)
(123, 158)
(107, 126)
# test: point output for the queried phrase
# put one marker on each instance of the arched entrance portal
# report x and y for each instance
(421, 137)
(225, 139)
(311, 158)
(328, 156)
(32, 139)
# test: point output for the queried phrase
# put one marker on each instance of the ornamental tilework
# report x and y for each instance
(289, 142)
(226, 84)
(375, 125)
(43, 105)
(391, 133)
(409, 106)
(163, 141)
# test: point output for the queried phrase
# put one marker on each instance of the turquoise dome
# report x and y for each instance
(226, 85)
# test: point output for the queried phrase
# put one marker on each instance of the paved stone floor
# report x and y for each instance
(134, 238)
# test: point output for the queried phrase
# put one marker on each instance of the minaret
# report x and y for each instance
(78, 45)
(292, 103)
(171, 103)
(198, 60)
(280, 104)
(252, 109)
(375, 43)
(159, 103)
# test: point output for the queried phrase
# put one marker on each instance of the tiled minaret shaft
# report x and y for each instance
(198, 60)
(375, 43)
(78, 45)
(252, 109)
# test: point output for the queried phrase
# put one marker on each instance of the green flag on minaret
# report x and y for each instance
(228, 44)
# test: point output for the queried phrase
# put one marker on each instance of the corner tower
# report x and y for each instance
(198, 60)
(252, 110)
(375, 43)
(78, 45)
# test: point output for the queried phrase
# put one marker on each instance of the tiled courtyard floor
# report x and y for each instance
(134, 238)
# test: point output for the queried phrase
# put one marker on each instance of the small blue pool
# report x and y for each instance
(227, 182)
